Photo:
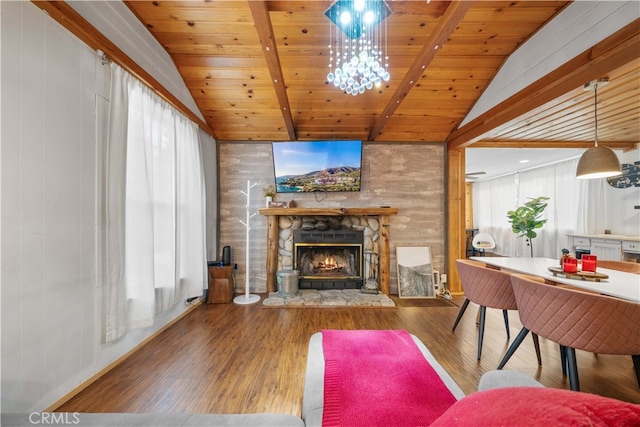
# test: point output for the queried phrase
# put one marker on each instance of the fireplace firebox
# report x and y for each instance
(329, 259)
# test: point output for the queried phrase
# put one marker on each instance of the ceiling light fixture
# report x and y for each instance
(597, 161)
(358, 62)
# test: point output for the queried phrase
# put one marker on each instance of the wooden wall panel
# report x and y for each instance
(468, 206)
(456, 217)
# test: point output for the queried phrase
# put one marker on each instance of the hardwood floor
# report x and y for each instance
(227, 358)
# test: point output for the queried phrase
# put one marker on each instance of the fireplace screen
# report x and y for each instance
(322, 261)
(329, 259)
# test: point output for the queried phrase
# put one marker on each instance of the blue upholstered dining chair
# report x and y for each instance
(576, 320)
(487, 287)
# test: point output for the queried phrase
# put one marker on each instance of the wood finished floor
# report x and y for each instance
(227, 358)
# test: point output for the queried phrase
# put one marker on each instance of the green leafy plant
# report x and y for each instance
(526, 219)
(269, 191)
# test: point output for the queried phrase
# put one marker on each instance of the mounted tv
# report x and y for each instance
(317, 166)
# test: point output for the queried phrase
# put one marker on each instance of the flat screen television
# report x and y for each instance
(317, 166)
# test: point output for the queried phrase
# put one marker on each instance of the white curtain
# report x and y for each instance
(493, 198)
(155, 208)
(591, 196)
(491, 201)
(558, 182)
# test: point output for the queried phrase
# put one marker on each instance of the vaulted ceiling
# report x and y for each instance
(257, 71)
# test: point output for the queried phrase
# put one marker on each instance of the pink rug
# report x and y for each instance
(379, 378)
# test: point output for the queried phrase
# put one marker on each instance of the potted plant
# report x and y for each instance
(526, 219)
(269, 193)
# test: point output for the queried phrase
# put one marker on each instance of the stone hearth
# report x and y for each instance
(329, 298)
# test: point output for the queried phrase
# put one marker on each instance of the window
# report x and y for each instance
(155, 247)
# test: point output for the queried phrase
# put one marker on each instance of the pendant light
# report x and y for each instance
(597, 161)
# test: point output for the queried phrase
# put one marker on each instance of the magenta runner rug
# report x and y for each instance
(379, 378)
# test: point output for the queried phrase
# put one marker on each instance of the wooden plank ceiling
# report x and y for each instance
(257, 71)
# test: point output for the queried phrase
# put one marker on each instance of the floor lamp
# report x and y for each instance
(247, 298)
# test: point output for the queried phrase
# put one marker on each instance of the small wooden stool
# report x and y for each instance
(221, 284)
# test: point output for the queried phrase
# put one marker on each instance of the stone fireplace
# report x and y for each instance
(366, 231)
(329, 259)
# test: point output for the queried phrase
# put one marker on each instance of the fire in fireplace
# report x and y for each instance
(329, 259)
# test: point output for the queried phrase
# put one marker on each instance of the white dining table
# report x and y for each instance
(619, 284)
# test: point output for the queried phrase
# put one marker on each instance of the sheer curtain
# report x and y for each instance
(591, 195)
(558, 182)
(491, 201)
(493, 198)
(155, 208)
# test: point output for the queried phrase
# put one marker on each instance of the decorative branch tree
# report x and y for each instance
(526, 219)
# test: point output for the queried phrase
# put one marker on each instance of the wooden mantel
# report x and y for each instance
(273, 235)
(329, 211)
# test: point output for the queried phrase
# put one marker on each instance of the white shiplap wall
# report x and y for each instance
(116, 21)
(53, 88)
(48, 207)
(579, 26)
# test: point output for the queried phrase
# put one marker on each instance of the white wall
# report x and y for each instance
(618, 204)
(53, 87)
(116, 21)
(48, 207)
(578, 27)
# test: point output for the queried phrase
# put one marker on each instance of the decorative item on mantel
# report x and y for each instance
(269, 193)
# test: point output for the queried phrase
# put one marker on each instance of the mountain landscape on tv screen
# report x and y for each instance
(340, 178)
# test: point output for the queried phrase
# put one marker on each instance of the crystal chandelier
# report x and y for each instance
(357, 61)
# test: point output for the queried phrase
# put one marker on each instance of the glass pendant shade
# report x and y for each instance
(598, 162)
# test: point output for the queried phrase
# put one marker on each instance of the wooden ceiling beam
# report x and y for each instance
(260, 12)
(439, 35)
(66, 16)
(617, 145)
(611, 53)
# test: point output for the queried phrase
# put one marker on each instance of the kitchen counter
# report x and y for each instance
(607, 246)
(608, 237)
